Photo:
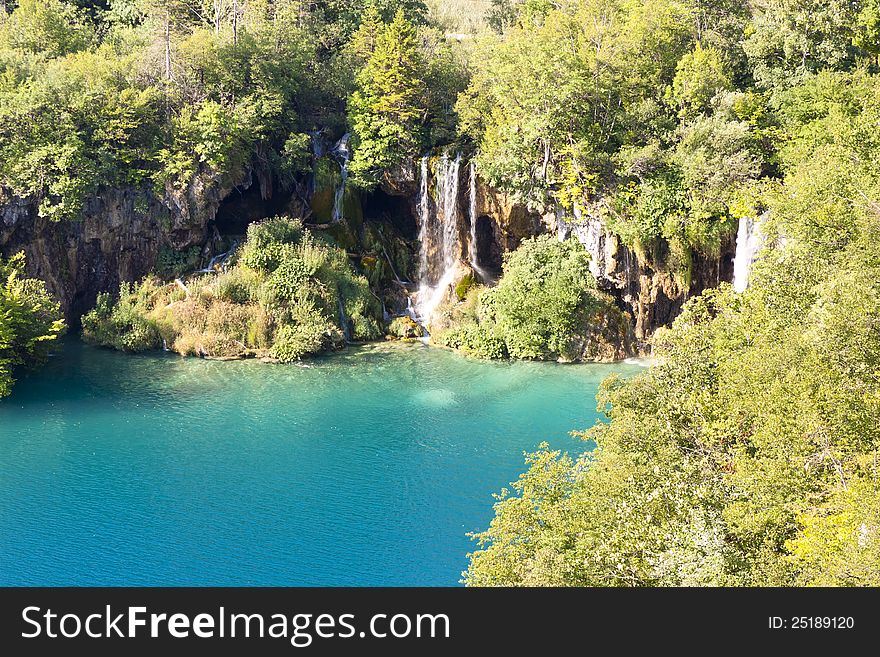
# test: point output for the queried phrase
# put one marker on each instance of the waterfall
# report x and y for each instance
(440, 246)
(473, 253)
(447, 210)
(748, 242)
(424, 225)
(472, 212)
(632, 276)
(317, 144)
(218, 261)
(342, 153)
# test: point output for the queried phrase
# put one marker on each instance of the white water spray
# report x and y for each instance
(472, 212)
(342, 153)
(473, 252)
(440, 247)
(218, 262)
(748, 242)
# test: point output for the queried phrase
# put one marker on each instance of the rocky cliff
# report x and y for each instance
(122, 233)
(648, 292)
(651, 294)
(119, 236)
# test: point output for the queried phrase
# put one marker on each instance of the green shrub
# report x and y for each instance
(464, 285)
(30, 321)
(546, 306)
(125, 324)
(280, 298)
(309, 333)
(405, 327)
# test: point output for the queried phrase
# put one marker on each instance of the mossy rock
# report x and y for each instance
(464, 286)
(343, 234)
(352, 210)
(405, 328)
(327, 178)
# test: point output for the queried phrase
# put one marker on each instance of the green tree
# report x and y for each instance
(546, 307)
(30, 321)
(48, 27)
(699, 77)
(789, 39)
(387, 110)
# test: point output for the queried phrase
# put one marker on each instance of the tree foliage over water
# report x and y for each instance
(748, 455)
(30, 321)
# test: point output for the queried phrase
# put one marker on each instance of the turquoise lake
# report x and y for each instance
(363, 468)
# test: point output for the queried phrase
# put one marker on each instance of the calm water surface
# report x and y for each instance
(364, 468)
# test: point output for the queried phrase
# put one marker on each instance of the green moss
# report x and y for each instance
(464, 285)
(327, 179)
(343, 234)
(352, 210)
(172, 263)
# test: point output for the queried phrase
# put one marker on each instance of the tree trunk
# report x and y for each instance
(167, 45)
(235, 22)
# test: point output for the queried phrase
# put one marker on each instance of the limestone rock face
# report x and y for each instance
(511, 221)
(122, 232)
(652, 296)
(118, 237)
(402, 180)
(608, 338)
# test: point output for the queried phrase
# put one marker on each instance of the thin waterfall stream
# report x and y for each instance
(748, 243)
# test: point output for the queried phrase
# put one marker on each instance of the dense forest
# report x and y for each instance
(746, 455)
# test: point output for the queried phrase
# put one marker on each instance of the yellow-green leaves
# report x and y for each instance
(30, 320)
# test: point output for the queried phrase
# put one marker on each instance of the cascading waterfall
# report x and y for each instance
(424, 225)
(447, 210)
(748, 242)
(318, 151)
(472, 217)
(218, 261)
(473, 253)
(342, 153)
(632, 274)
(440, 245)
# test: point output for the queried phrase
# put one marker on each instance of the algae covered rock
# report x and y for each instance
(405, 328)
